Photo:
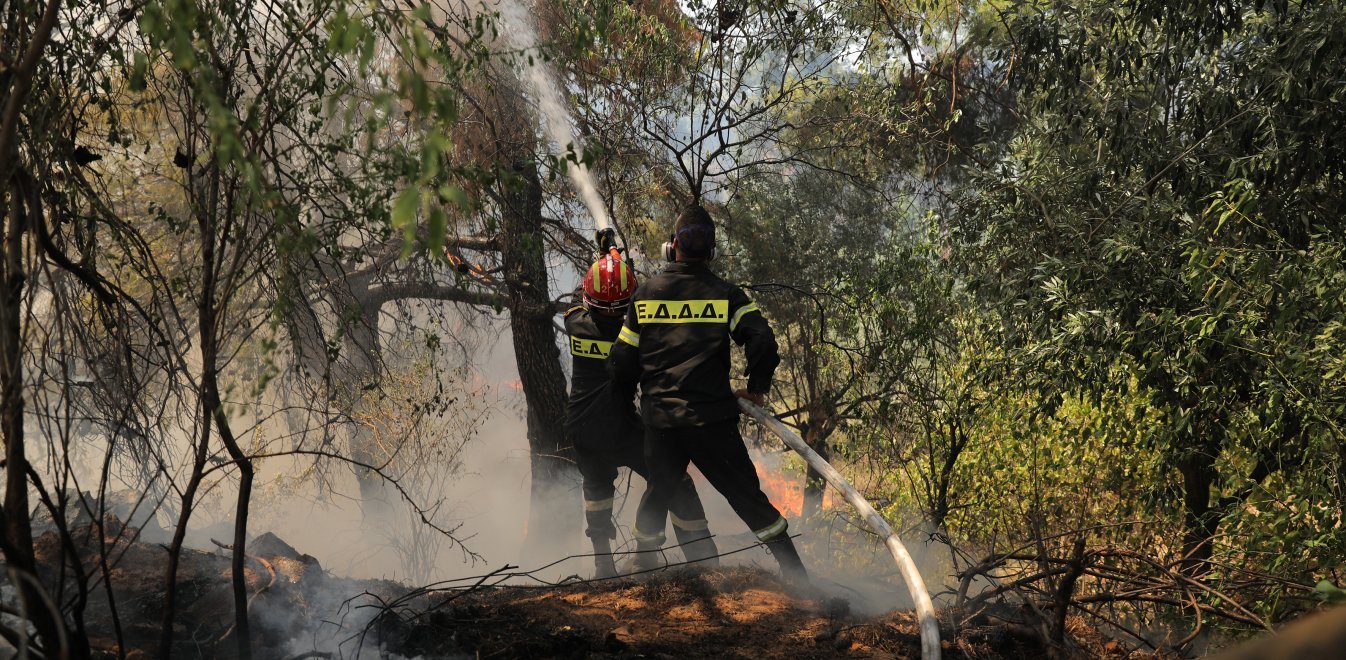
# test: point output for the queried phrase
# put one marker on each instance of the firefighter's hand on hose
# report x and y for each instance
(606, 240)
(757, 398)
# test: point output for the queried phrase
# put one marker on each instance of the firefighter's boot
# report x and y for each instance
(647, 557)
(791, 566)
(697, 545)
(604, 566)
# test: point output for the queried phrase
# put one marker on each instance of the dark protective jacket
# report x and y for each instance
(675, 345)
(593, 417)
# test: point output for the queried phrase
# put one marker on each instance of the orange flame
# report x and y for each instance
(784, 491)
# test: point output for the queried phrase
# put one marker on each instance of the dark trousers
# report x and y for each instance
(598, 468)
(716, 450)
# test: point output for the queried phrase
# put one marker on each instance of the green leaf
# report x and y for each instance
(455, 195)
(139, 67)
(439, 223)
(403, 219)
(1329, 593)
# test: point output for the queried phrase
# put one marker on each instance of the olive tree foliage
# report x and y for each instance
(808, 247)
(680, 102)
(886, 357)
(845, 246)
(176, 175)
(1168, 216)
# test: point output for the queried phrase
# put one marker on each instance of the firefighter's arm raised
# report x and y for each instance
(623, 362)
(749, 329)
(577, 305)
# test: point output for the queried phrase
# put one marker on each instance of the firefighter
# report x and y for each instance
(675, 346)
(607, 435)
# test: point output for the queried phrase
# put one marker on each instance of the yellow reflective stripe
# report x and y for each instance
(590, 348)
(597, 273)
(657, 537)
(574, 309)
(598, 505)
(629, 336)
(621, 274)
(771, 530)
(689, 525)
(682, 311)
(738, 316)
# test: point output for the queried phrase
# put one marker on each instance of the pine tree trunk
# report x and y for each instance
(554, 519)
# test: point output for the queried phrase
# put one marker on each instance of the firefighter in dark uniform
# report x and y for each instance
(607, 434)
(675, 346)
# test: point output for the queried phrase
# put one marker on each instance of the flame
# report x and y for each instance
(784, 491)
(471, 269)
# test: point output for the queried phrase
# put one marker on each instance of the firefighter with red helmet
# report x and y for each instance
(606, 433)
(675, 344)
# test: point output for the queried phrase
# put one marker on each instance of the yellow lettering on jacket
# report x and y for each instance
(590, 348)
(682, 311)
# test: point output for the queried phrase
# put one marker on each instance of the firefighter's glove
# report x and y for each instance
(756, 398)
(606, 240)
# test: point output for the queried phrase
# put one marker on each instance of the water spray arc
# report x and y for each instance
(555, 118)
(925, 610)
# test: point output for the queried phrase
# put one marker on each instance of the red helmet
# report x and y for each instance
(609, 284)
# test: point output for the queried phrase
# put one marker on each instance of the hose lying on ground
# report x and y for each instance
(925, 610)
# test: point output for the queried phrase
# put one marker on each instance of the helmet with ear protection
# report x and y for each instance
(670, 249)
(671, 246)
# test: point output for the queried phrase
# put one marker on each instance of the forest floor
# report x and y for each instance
(736, 612)
(299, 610)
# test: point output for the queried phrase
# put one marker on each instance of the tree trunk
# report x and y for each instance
(18, 532)
(360, 373)
(18, 529)
(350, 377)
(1341, 473)
(554, 519)
(1200, 519)
(939, 510)
(209, 314)
(814, 484)
(16, 545)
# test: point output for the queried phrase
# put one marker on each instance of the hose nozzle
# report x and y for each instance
(606, 239)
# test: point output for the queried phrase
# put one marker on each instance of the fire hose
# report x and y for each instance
(925, 610)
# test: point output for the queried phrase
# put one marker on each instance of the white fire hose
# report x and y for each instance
(925, 610)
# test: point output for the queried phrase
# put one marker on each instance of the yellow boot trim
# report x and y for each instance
(771, 531)
(648, 539)
(689, 525)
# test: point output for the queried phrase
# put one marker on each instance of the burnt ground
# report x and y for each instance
(299, 610)
(735, 612)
